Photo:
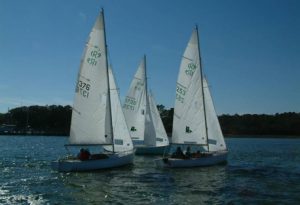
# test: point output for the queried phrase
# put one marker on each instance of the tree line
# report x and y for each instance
(43, 120)
(56, 120)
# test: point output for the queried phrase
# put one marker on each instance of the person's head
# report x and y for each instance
(81, 150)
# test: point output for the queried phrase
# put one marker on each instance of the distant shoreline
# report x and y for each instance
(225, 135)
(56, 120)
(261, 136)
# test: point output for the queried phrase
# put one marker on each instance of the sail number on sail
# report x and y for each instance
(191, 69)
(83, 88)
(94, 55)
(129, 103)
(180, 92)
(139, 85)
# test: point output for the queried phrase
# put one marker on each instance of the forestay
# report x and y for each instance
(189, 119)
(90, 115)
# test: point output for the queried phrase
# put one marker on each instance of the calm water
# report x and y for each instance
(259, 171)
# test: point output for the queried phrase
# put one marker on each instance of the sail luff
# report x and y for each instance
(203, 95)
(108, 84)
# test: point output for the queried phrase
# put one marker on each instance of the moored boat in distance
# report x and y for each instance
(195, 124)
(142, 117)
(97, 121)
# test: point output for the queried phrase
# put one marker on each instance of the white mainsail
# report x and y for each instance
(215, 135)
(135, 104)
(91, 123)
(122, 139)
(189, 119)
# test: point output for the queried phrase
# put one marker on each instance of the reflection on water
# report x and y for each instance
(144, 183)
(261, 171)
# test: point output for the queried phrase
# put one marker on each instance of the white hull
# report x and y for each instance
(213, 159)
(113, 160)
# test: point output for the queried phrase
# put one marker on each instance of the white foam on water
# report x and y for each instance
(21, 199)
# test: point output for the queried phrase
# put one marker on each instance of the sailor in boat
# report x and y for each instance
(84, 154)
(188, 153)
(178, 153)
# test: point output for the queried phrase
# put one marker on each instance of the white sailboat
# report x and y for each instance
(195, 123)
(142, 117)
(97, 116)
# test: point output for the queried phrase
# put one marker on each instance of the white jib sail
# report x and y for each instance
(90, 116)
(135, 104)
(215, 136)
(189, 120)
(160, 136)
(122, 139)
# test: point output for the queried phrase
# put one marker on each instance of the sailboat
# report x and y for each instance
(97, 121)
(195, 124)
(142, 117)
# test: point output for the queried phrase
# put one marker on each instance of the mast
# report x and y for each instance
(146, 83)
(108, 93)
(201, 75)
(146, 87)
(146, 90)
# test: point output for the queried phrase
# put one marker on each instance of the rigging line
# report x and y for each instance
(203, 100)
(187, 58)
(112, 71)
(130, 97)
(137, 78)
(84, 77)
(107, 73)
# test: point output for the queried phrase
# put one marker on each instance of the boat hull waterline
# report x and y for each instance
(113, 160)
(209, 160)
(145, 150)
